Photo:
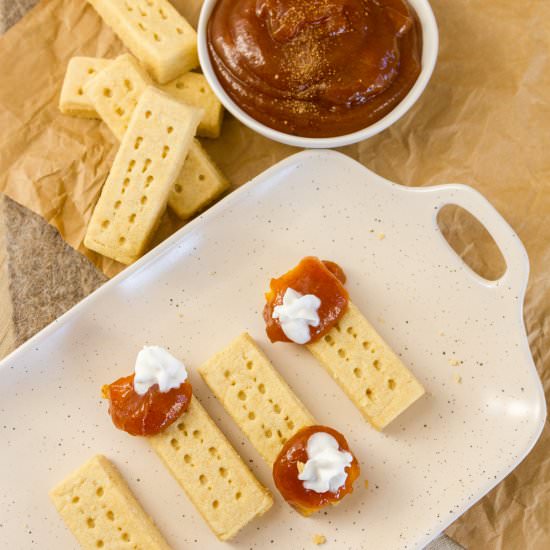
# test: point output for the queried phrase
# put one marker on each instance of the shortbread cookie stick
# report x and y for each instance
(211, 473)
(256, 396)
(366, 369)
(101, 511)
(199, 183)
(114, 93)
(155, 33)
(193, 89)
(148, 161)
(73, 100)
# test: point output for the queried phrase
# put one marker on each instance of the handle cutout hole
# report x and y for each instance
(468, 237)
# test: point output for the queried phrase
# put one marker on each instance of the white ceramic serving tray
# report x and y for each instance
(202, 287)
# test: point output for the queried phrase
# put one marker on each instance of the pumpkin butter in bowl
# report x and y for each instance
(317, 73)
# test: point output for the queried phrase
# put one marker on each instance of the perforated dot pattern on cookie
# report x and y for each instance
(199, 183)
(73, 99)
(98, 507)
(115, 91)
(256, 396)
(142, 176)
(366, 368)
(210, 471)
(155, 32)
(193, 89)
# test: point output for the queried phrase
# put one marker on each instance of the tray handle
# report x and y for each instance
(511, 247)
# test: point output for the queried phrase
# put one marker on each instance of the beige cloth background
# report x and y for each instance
(483, 120)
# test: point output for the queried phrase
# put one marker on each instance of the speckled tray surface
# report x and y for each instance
(203, 286)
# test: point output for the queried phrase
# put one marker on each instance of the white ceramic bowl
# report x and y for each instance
(430, 43)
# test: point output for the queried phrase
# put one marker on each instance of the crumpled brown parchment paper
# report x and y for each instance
(484, 120)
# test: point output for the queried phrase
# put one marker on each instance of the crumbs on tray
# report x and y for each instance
(319, 539)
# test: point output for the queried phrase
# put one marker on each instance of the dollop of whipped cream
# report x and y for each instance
(325, 469)
(296, 314)
(154, 365)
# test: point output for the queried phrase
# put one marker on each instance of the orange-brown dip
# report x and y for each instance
(311, 276)
(146, 414)
(286, 471)
(315, 68)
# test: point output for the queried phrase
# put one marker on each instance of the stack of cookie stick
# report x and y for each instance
(165, 44)
(114, 92)
(190, 88)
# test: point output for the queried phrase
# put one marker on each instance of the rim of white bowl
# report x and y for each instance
(430, 47)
